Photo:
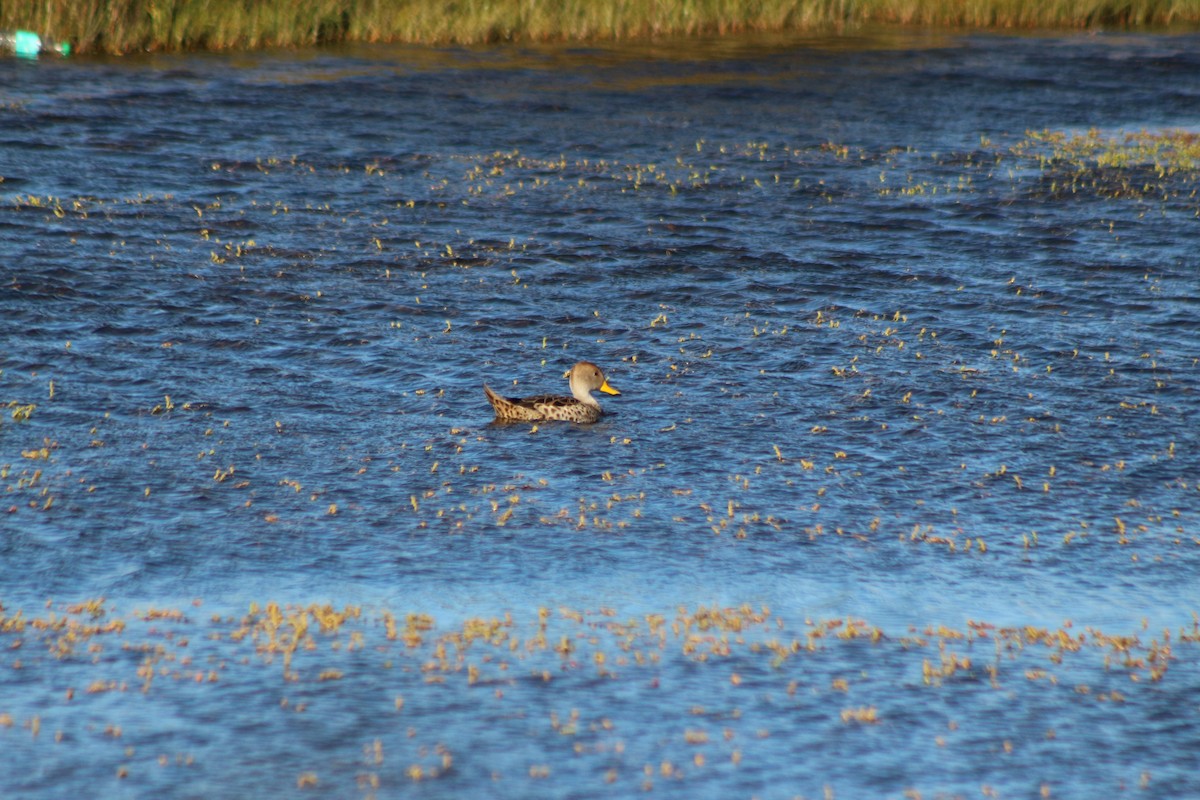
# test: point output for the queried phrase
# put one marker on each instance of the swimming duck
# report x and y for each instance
(582, 407)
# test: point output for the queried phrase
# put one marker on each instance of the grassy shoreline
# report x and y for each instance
(125, 26)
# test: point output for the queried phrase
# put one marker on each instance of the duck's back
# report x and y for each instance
(540, 407)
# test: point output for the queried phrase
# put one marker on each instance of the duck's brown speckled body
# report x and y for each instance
(580, 407)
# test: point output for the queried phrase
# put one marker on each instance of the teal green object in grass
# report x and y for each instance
(27, 44)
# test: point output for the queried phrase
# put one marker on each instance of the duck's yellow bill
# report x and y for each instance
(604, 387)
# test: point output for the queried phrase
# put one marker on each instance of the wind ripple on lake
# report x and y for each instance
(932, 369)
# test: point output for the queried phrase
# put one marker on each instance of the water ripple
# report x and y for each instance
(870, 368)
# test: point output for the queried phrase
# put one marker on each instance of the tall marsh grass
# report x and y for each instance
(122, 26)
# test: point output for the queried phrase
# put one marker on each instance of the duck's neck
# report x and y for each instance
(582, 394)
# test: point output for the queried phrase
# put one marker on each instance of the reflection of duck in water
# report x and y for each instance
(582, 407)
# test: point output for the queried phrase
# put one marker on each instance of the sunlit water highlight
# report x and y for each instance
(900, 491)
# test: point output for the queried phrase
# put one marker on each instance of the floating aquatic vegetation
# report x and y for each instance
(1161, 167)
(411, 679)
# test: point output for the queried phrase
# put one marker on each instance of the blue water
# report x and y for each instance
(888, 351)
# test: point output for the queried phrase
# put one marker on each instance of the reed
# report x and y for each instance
(123, 26)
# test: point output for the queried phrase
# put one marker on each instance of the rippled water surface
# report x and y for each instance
(900, 492)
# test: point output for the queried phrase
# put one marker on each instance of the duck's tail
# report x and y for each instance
(503, 407)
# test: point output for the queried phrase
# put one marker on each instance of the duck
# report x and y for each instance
(580, 407)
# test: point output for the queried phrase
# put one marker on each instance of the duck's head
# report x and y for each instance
(586, 377)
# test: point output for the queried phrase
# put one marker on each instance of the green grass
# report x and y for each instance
(123, 26)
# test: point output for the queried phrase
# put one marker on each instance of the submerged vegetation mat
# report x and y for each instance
(123, 26)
